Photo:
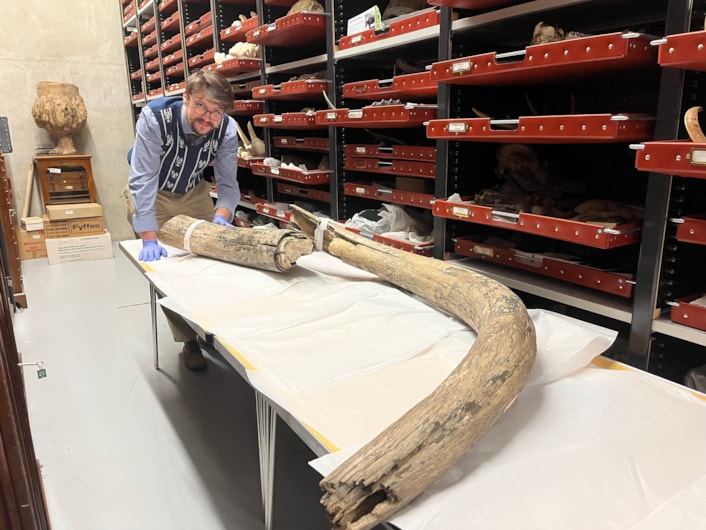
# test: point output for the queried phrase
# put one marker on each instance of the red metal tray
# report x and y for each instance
(567, 59)
(153, 65)
(175, 88)
(149, 39)
(672, 157)
(692, 229)
(407, 168)
(148, 26)
(136, 75)
(380, 116)
(171, 23)
(172, 44)
(167, 6)
(608, 282)
(172, 58)
(683, 50)
(314, 176)
(248, 162)
(408, 86)
(176, 70)
(283, 3)
(130, 41)
(291, 30)
(587, 234)
(155, 92)
(399, 26)
(306, 89)
(287, 120)
(154, 76)
(238, 33)
(235, 66)
(309, 193)
(400, 152)
(270, 210)
(577, 128)
(201, 39)
(246, 107)
(472, 4)
(201, 59)
(424, 249)
(200, 24)
(151, 52)
(688, 314)
(314, 144)
(409, 198)
(245, 89)
(138, 97)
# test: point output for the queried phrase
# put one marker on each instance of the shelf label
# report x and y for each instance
(460, 211)
(461, 66)
(698, 157)
(483, 251)
(457, 127)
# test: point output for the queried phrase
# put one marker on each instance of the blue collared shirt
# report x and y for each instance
(147, 173)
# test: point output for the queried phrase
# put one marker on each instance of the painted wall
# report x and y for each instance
(78, 42)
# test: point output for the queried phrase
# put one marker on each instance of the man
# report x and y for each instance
(176, 139)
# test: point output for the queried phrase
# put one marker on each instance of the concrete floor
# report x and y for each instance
(123, 446)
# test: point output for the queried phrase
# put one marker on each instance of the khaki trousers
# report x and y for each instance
(195, 203)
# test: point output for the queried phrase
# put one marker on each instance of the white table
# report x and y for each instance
(339, 355)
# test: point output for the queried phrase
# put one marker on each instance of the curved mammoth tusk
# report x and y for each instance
(691, 122)
(408, 456)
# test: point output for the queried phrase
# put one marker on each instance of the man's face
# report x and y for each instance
(202, 114)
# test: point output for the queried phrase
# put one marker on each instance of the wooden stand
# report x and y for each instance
(65, 179)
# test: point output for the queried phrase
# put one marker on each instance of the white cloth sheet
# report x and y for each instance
(346, 354)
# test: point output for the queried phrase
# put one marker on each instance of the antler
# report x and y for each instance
(691, 122)
(257, 146)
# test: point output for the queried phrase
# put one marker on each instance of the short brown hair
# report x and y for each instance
(215, 86)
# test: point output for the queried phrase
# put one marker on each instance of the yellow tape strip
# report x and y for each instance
(324, 441)
(604, 362)
(242, 360)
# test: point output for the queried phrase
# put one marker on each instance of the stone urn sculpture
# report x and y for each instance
(60, 110)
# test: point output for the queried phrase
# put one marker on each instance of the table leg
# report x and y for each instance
(153, 312)
(266, 433)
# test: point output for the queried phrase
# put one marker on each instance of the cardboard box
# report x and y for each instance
(56, 229)
(32, 223)
(57, 212)
(85, 226)
(85, 248)
(31, 244)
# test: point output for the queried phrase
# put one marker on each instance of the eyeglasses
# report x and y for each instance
(201, 110)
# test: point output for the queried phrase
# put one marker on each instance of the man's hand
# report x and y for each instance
(221, 220)
(151, 251)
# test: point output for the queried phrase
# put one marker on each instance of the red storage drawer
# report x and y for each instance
(685, 311)
(545, 265)
(291, 30)
(399, 26)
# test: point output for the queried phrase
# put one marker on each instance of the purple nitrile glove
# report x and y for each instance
(221, 220)
(151, 251)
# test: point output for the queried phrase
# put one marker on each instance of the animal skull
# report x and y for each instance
(311, 6)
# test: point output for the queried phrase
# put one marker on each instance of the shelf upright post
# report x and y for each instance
(442, 146)
(669, 110)
(332, 94)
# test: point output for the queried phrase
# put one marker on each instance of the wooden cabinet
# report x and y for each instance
(65, 178)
